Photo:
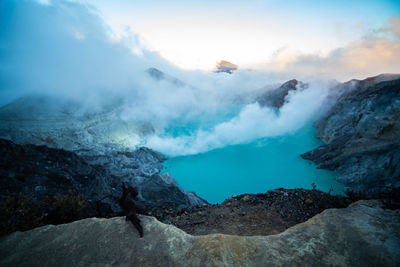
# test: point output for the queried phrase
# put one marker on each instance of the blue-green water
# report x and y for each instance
(252, 168)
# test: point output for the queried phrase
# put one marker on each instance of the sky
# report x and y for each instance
(196, 34)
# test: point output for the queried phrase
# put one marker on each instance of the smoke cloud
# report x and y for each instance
(252, 122)
(64, 50)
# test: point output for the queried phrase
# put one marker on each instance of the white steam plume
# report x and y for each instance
(253, 122)
(63, 49)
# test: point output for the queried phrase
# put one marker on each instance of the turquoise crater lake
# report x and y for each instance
(252, 168)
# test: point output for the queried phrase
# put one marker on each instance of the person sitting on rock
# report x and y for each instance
(129, 194)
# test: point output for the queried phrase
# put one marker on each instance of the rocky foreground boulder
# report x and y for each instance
(362, 135)
(364, 234)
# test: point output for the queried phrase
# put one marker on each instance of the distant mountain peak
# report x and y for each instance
(159, 75)
(225, 66)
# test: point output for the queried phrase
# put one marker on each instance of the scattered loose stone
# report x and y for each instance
(257, 214)
(308, 201)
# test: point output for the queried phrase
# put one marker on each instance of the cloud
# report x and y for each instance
(251, 123)
(64, 50)
(378, 52)
(393, 26)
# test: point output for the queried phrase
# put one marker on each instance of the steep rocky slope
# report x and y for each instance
(32, 174)
(362, 135)
(336, 237)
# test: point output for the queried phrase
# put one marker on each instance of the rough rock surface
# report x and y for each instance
(362, 135)
(43, 172)
(276, 97)
(363, 234)
(141, 170)
(255, 214)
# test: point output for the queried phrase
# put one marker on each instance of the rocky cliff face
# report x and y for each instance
(41, 185)
(336, 237)
(44, 172)
(362, 135)
(276, 98)
(43, 182)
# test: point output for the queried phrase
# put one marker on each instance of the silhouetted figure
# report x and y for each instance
(128, 206)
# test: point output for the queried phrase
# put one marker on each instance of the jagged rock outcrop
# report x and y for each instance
(336, 237)
(276, 97)
(141, 169)
(362, 135)
(43, 172)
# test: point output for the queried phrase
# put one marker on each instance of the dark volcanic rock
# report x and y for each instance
(362, 135)
(140, 169)
(41, 174)
(40, 185)
(44, 172)
(276, 98)
(256, 214)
